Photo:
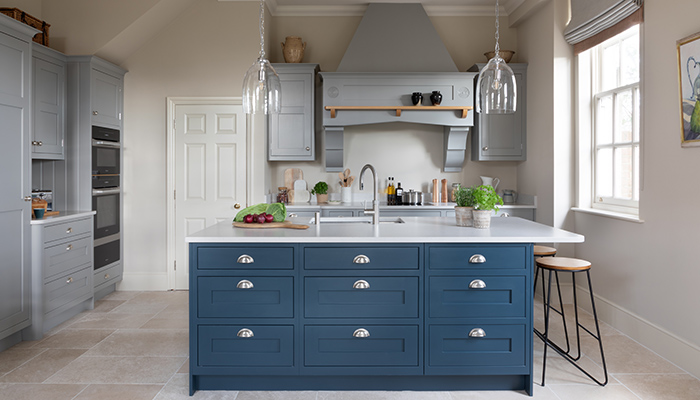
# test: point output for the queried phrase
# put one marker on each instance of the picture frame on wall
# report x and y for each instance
(689, 87)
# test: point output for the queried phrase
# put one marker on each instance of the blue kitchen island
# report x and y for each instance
(418, 305)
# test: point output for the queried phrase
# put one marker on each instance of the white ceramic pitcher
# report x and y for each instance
(485, 180)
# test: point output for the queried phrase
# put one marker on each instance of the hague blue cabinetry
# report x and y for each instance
(360, 316)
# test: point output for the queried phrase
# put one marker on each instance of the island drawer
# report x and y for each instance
(476, 296)
(476, 256)
(64, 290)
(361, 297)
(244, 257)
(67, 229)
(361, 345)
(66, 256)
(361, 257)
(245, 297)
(107, 276)
(477, 345)
(245, 345)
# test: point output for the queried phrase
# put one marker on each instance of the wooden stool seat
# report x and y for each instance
(543, 251)
(563, 264)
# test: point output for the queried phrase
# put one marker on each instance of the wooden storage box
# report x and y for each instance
(19, 15)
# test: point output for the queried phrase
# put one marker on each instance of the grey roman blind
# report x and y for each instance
(590, 17)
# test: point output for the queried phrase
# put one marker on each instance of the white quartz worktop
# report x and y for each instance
(63, 216)
(414, 230)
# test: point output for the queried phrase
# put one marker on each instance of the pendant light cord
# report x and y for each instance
(262, 29)
(497, 26)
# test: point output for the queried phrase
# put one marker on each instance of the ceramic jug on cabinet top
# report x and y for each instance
(485, 180)
(293, 49)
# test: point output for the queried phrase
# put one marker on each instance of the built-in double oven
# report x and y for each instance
(106, 195)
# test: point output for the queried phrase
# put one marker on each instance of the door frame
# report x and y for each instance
(172, 103)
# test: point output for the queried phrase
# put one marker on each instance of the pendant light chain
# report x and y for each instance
(262, 29)
(497, 35)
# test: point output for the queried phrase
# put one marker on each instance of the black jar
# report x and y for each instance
(436, 98)
(417, 98)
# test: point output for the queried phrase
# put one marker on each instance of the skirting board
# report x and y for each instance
(144, 282)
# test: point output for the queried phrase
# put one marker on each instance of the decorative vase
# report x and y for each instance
(463, 215)
(482, 219)
(436, 98)
(417, 98)
(293, 49)
(321, 198)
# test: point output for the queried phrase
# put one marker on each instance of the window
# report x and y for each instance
(609, 97)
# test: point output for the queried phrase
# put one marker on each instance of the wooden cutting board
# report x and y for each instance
(285, 224)
(291, 175)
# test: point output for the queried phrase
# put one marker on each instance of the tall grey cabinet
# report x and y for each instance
(15, 195)
(502, 137)
(292, 132)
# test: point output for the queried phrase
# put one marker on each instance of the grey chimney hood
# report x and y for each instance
(395, 52)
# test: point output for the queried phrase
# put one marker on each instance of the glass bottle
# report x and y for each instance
(399, 194)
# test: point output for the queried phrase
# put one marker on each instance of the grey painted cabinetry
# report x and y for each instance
(292, 132)
(502, 137)
(49, 103)
(62, 272)
(15, 250)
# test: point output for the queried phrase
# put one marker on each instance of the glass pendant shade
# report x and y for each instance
(261, 88)
(496, 91)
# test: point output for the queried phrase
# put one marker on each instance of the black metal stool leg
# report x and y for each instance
(548, 294)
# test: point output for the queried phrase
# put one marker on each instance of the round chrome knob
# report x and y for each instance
(245, 284)
(360, 259)
(106, 276)
(293, 215)
(477, 284)
(27, 198)
(477, 333)
(361, 333)
(237, 206)
(69, 230)
(94, 113)
(245, 333)
(505, 215)
(477, 259)
(308, 148)
(69, 280)
(69, 247)
(485, 148)
(361, 284)
(245, 259)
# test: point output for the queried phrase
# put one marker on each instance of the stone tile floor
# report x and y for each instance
(134, 345)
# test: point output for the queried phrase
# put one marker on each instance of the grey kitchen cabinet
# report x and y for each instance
(292, 132)
(15, 196)
(502, 137)
(49, 103)
(62, 271)
(106, 98)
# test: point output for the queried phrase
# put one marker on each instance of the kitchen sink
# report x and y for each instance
(358, 220)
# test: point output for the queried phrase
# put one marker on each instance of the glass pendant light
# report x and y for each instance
(261, 84)
(495, 89)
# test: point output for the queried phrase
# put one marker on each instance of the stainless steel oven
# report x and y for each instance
(106, 195)
(106, 151)
(107, 205)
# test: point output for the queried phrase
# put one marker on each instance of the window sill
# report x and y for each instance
(610, 214)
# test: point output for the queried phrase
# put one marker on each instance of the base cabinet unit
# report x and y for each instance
(62, 272)
(292, 131)
(360, 316)
(49, 103)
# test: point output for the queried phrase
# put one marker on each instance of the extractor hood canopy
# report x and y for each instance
(394, 53)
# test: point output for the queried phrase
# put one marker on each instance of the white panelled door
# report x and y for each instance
(210, 173)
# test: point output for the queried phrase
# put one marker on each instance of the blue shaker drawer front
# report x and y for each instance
(244, 257)
(245, 346)
(361, 297)
(464, 296)
(461, 346)
(470, 257)
(358, 258)
(345, 346)
(245, 297)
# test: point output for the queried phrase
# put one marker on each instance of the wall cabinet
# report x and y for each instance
(502, 137)
(49, 103)
(408, 316)
(106, 99)
(292, 132)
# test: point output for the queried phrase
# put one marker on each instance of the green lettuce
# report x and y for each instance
(277, 210)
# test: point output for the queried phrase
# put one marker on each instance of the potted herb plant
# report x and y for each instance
(464, 197)
(486, 201)
(321, 192)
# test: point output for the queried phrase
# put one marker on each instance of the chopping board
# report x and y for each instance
(292, 175)
(284, 224)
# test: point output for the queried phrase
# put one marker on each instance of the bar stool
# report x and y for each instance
(573, 265)
(546, 251)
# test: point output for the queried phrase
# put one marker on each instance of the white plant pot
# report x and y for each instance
(482, 219)
(463, 215)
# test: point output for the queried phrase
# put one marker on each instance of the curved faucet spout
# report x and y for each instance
(375, 203)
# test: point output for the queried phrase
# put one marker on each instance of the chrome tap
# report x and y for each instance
(375, 203)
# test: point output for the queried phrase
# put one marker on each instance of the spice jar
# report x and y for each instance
(282, 196)
(455, 187)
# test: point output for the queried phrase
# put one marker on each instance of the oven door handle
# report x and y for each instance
(105, 192)
(106, 144)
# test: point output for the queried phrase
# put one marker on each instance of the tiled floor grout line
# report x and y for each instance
(40, 353)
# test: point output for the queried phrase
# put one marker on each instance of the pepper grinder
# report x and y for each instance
(435, 191)
(443, 199)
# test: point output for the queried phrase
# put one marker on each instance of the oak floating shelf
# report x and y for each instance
(398, 109)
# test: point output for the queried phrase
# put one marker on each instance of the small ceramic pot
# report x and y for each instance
(417, 98)
(436, 98)
(463, 215)
(482, 218)
(346, 194)
(321, 198)
(293, 49)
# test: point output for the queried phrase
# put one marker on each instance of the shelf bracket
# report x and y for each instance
(455, 147)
